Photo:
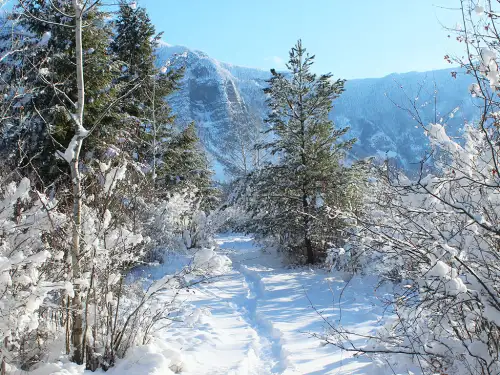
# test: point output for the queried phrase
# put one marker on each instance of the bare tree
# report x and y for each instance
(436, 236)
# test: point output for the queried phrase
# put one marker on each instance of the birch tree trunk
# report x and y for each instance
(76, 145)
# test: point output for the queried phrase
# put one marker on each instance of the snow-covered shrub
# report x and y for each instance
(204, 227)
(440, 234)
(122, 227)
(340, 258)
(437, 234)
(166, 221)
(208, 262)
(178, 224)
(35, 306)
(29, 268)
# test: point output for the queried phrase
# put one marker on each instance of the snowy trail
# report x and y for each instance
(257, 319)
(271, 351)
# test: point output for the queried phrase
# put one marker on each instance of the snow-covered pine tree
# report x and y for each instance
(186, 166)
(147, 117)
(43, 124)
(298, 196)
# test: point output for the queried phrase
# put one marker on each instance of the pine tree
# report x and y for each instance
(185, 165)
(147, 117)
(43, 124)
(297, 193)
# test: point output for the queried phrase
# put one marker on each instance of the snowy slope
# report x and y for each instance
(215, 94)
(370, 108)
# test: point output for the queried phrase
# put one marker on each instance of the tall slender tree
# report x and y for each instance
(147, 118)
(298, 192)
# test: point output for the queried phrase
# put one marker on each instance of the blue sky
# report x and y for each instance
(350, 38)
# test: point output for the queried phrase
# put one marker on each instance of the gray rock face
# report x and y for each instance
(384, 113)
(381, 112)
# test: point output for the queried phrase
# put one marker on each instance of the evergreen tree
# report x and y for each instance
(45, 79)
(297, 195)
(185, 165)
(147, 116)
(178, 161)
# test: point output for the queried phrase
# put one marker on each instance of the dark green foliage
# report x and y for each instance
(135, 41)
(44, 74)
(186, 167)
(147, 116)
(298, 196)
(125, 107)
(178, 161)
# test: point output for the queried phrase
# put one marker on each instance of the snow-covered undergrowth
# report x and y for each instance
(437, 236)
(119, 310)
(26, 266)
(172, 284)
(257, 318)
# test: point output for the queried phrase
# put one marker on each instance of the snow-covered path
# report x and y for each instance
(258, 319)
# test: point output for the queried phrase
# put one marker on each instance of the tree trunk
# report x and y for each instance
(305, 182)
(77, 331)
(154, 132)
(307, 237)
(3, 370)
(76, 143)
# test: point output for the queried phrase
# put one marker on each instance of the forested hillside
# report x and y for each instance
(227, 103)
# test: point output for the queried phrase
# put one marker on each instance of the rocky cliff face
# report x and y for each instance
(381, 112)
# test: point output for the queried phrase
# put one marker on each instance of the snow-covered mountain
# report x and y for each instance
(215, 94)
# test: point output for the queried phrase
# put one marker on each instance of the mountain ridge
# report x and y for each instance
(223, 98)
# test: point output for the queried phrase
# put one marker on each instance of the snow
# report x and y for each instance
(45, 39)
(440, 269)
(255, 319)
(491, 313)
(153, 359)
(489, 66)
(208, 260)
(258, 319)
(480, 350)
(113, 176)
(69, 153)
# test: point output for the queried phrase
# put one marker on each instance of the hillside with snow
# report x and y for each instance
(379, 111)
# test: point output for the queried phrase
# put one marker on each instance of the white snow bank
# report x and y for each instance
(157, 358)
(206, 259)
(58, 368)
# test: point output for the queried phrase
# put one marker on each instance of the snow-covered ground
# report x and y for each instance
(258, 319)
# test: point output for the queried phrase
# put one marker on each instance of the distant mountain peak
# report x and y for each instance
(221, 97)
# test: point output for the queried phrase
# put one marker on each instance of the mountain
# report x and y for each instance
(381, 112)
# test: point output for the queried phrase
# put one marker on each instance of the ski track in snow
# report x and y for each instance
(257, 320)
